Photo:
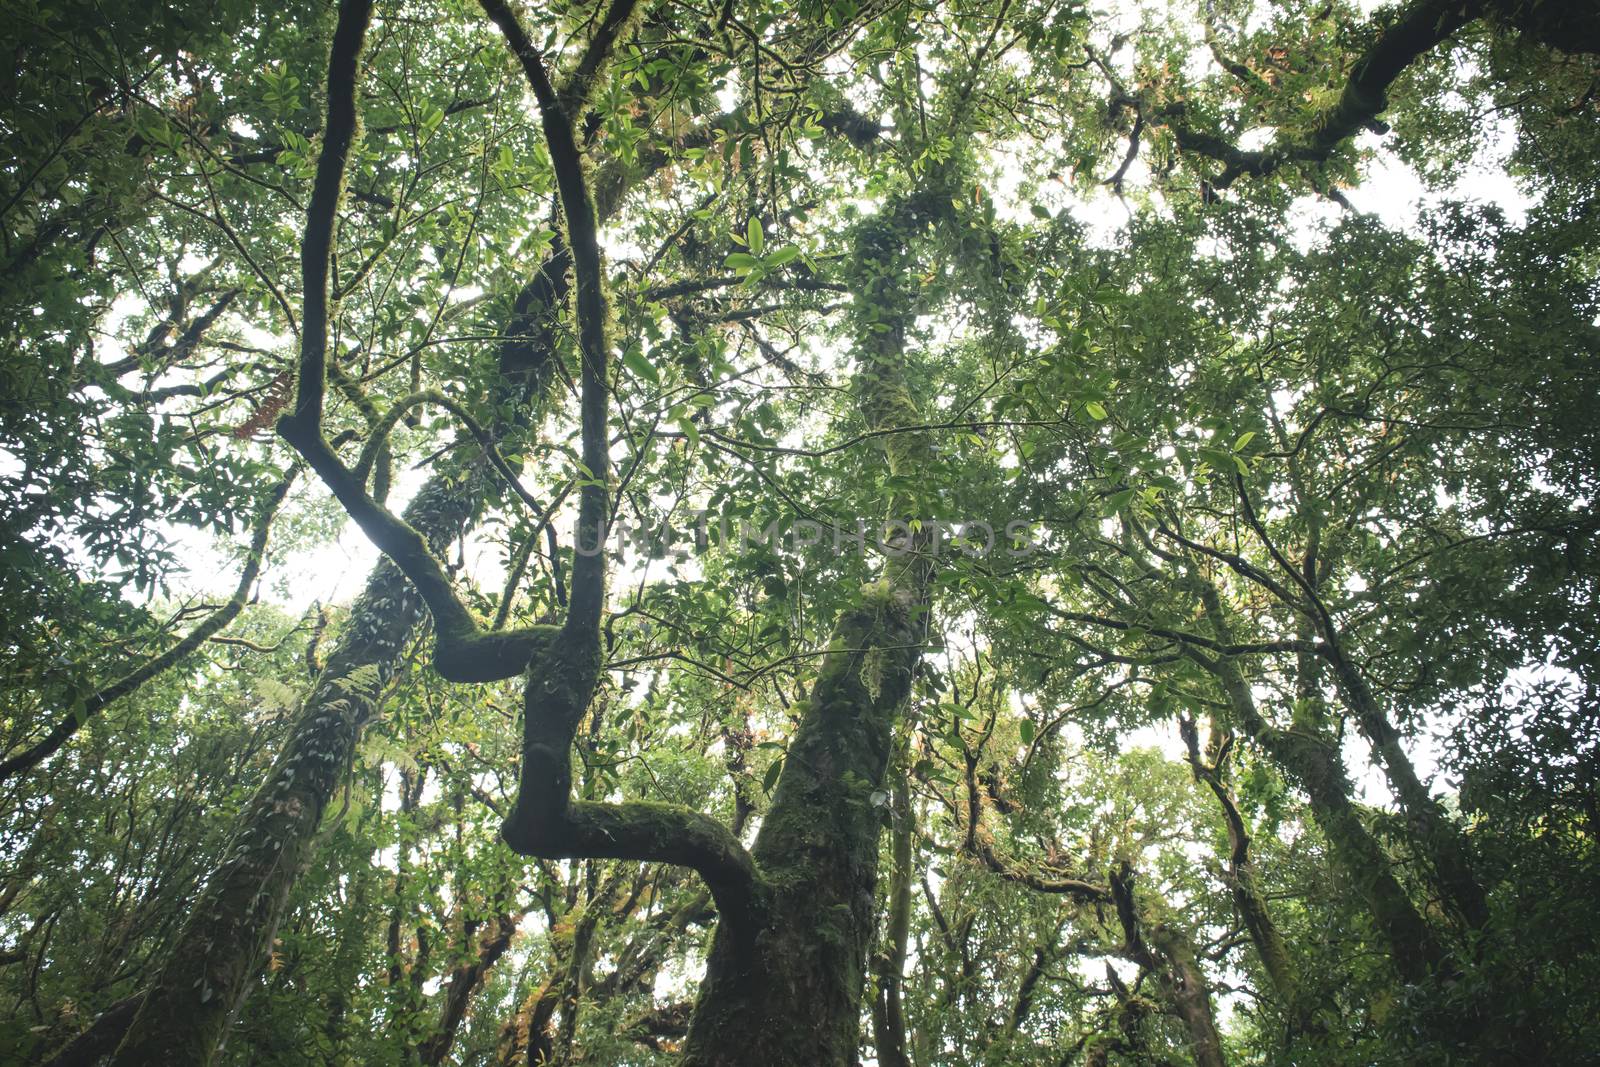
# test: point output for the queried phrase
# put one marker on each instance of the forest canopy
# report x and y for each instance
(889, 532)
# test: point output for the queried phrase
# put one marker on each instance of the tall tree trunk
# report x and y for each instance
(231, 923)
(1314, 763)
(791, 994)
(889, 1020)
(208, 969)
(1436, 836)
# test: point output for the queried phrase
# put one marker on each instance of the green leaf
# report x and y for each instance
(743, 262)
(1242, 440)
(1117, 502)
(783, 255)
(1217, 458)
(634, 360)
(1096, 410)
(753, 235)
(774, 769)
(1027, 731)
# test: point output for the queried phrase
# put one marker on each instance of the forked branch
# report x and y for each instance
(546, 821)
(463, 652)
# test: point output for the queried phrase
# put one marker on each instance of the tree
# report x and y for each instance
(799, 445)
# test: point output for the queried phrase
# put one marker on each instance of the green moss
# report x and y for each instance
(879, 594)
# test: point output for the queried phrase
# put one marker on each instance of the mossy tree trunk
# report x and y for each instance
(1436, 836)
(791, 993)
(1313, 762)
(207, 970)
(790, 990)
(231, 924)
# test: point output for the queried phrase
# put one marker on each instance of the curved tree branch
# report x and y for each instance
(546, 821)
(1398, 41)
(462, 651)
(93, 704)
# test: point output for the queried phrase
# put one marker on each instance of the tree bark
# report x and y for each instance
(1437, 836)
(889, 1020)
(1166, 952)
(101, 1038)
(817, 850)
(527, 1037)
(231, 924)
(791, 994)
(1241, 880)
(465, 980)
(1314, 763)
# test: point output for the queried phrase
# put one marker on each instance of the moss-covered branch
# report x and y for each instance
(546, 821)
(378, 437)
(1315, 764)
(1398, 39)
(1241, 878)
(556, 113)
(383, 457)
(1437, 835)
(322, 213)
(463, 652)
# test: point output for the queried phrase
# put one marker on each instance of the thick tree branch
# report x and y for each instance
(1166, 952)
(1399, 39)
(322, 213)
(546, 821)
(462, 652)
(588, 570)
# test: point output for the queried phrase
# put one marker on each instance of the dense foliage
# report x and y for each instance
(989, 532)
